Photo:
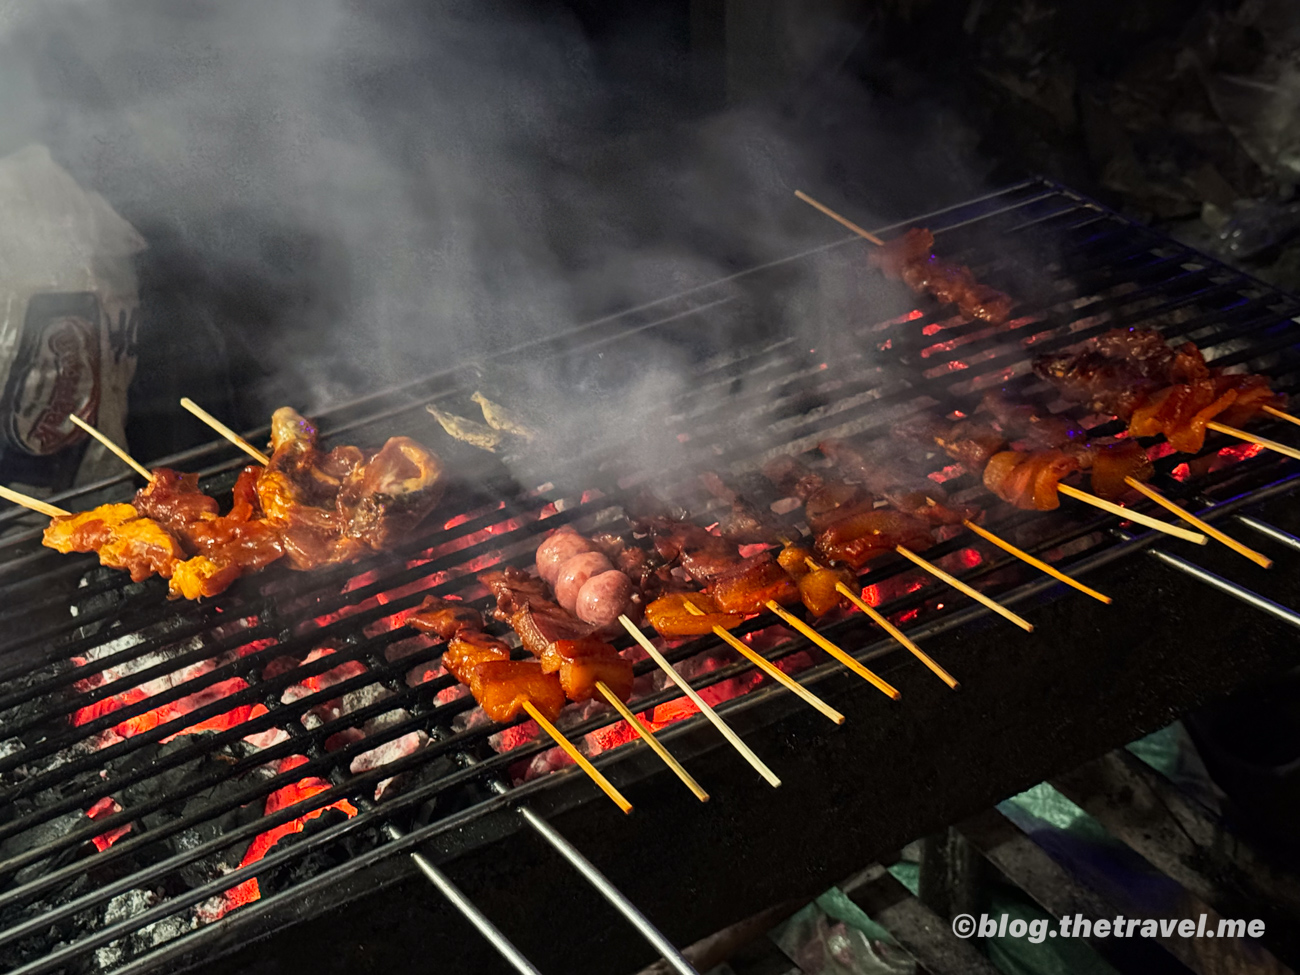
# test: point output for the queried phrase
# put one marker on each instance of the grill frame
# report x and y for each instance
(760, 714)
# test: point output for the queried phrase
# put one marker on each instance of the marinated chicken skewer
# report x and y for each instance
(1135, 375)
(503, 687)
(1114, 467)
(335, 506)
(911, 259)
(572, 563)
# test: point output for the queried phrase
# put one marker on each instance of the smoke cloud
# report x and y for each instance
(340, 196)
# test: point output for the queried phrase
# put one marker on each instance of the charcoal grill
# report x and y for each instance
(1187, 624)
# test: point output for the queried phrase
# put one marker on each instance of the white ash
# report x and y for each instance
(129, 904)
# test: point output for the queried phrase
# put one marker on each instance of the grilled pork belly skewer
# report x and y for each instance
(847, 519)
(1030, 481)
(745, 586)
(911, 259)
(567, 645)
(791, 475)
(555, 559)
(821, 588)
(503, 687)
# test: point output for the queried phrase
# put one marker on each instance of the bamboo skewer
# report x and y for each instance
(225, 431)
(845, 221)
(879, 619)
(594, 773)
(1273, 445)
(723, 728)
(1282, 415)
(1037, 563)
(771, 669)
(1130, 515)
(960, 586)
(32, 504)
(113, 448)
(879, 683)
(647, 736)
(1191, 519)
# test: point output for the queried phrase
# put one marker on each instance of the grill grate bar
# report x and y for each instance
(1107, 273)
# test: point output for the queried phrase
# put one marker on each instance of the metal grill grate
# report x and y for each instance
(195, 802)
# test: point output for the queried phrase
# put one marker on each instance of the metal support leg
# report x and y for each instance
(472, 914)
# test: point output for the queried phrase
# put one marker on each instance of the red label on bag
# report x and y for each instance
(57, 374)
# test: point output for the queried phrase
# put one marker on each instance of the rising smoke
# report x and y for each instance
(340, 196)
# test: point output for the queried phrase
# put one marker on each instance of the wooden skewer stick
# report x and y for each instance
(1282, 415)
(771, 669)
(723, 728)
(1191, 519)
(879, 683)
(1280, 448)
(879, 619)
(224, 430)
(1039, 564)
(605, 785)
(655, 744)
(113, 448)
(960, 586)
(839, 219)
(32, 504)
(1130, 515)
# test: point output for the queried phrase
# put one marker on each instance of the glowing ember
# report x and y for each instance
(107, 806)
(248, 891)
(1181, 473)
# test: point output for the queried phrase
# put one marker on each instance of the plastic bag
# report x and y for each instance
(69, 304)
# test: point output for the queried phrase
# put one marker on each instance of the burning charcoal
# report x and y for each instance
(347, 847)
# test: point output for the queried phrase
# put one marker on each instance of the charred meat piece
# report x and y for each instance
(173, 499)
(444, 617)
(1101, 384)
(702, 554)
(745, 523)
(1029, 480)
(910, 259)
(1151, 356)
(883, 475)
(1181, 413)
(748, 585)
(819, 589)
(792, 477)
(861, 537)
(385, 497)
(670, 617)
(121, 538)
(1112, 463)
(501, 688)
(968, 442)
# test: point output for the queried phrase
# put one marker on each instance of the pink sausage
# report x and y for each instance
(603, 598)
(574, 575)
(558, 549)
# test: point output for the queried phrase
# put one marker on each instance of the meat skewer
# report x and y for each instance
(788, 473)
(503, 687)
(911, 259)
(1156, 388)
(566, 546)
(841, 526)
(1030, 481)
(748, 586)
